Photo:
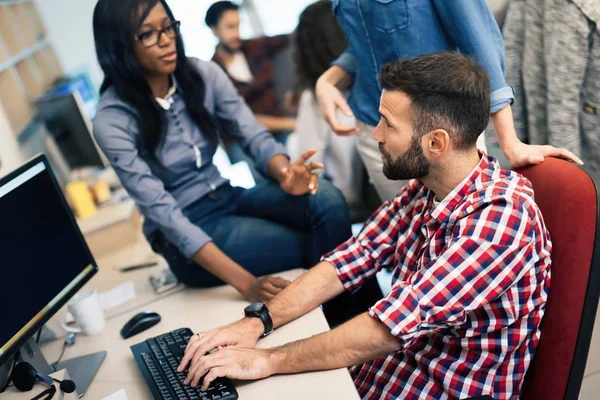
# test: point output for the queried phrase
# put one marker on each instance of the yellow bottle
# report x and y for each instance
(81, 199)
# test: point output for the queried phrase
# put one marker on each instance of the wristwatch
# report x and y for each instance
(260, 310)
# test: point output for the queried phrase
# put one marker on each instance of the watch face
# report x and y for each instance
(255, 308)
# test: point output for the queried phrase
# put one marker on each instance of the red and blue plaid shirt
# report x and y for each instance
(470, 281)
(260, 94)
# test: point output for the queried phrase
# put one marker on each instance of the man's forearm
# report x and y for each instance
(306, 293)
(338, 77)
(357, 341)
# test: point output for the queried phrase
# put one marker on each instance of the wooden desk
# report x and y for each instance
(199, 310)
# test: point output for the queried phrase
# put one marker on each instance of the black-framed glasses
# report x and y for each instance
(152, 37)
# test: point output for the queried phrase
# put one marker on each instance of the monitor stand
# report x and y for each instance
(81, 369)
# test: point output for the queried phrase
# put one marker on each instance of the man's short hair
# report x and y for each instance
(447, 90)
(216, 10)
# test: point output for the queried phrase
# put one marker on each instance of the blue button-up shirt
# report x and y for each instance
(381, 31)
(189, 173)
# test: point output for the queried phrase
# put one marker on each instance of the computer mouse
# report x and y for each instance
(139, 323)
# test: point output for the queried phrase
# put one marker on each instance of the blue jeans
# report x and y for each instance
(263, 229)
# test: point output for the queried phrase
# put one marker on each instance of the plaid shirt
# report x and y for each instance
(260, 92)
(470, 282)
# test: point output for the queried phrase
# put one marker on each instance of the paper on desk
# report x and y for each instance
(120, 395)
(117, 295)
(113, 298)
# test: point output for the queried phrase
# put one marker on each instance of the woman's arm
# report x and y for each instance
(518, 153)
(219, 264)
(472, 27)
(328, 91)
(112, 132)
(237, 119)
(277, 124)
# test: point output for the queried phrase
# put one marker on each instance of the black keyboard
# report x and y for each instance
(159, 357)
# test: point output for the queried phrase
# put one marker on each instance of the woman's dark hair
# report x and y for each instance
(115, 24)
(319, 41)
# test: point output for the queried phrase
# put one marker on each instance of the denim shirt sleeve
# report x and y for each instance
(237, 119)
(114, 130)
(472, 27)
(347, 62)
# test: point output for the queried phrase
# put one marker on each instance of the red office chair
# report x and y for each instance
(568, 199)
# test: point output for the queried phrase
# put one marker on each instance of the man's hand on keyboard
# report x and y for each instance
(244, 333)
(231, 362)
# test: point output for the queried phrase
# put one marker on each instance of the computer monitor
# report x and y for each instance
(44, 259)
(71, 129)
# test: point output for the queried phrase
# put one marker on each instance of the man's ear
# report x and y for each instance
(214, 31)
(436, 143)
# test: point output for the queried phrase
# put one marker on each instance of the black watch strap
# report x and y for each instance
(260, 310)
(267, 322)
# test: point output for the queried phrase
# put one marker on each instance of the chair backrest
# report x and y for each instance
(568, 200)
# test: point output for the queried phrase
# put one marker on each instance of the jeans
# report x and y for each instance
(263, 229)
(266, 231)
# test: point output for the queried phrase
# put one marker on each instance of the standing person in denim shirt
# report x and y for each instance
(157, 124)
(382, 31)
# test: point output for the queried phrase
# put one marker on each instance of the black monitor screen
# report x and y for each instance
(44, 258)
(66, 121)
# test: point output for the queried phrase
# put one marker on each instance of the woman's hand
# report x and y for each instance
(265, 288)
(521, 154)
(518, 153)
(331, 99)
(300, 178)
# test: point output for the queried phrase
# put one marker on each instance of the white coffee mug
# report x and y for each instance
(87, 312)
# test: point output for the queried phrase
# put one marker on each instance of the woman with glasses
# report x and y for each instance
(158, 123)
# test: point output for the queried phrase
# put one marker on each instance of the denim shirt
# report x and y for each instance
(162, 193)
(382, 31)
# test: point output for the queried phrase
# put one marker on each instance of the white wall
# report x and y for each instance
(69, 27)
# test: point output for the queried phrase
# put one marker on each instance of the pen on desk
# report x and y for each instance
(138, 266)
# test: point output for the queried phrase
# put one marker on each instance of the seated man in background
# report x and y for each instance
(249, 65)
(469, 250)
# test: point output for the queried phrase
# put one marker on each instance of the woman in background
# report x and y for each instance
(319, 40)
(157, 123)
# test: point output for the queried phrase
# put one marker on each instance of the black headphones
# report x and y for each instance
(24, 376)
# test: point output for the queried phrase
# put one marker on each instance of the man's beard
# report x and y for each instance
(411, 165)
(229, 50)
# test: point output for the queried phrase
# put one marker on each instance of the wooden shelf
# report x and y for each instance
(28, 64)
(48, 64)
(21, 16)
(31, 78)
(3, 55)
(12, 61)
(14, 101)
(36, 23)
(10, 36)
